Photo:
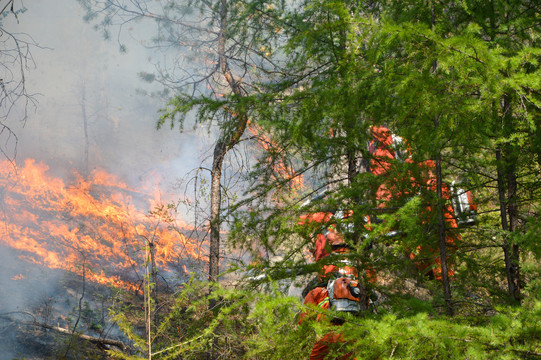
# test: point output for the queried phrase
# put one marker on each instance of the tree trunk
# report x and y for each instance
(443, 240)
(231, 134)
(508, 205)
(215, 206)
(153, 274)
(512, 209)
(506, 159)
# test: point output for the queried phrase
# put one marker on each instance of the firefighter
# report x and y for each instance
(386, 148)
(337, 285)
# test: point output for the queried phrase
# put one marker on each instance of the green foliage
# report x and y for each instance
(251, 324)
(189, 329)
(182, 105)
(459, 82)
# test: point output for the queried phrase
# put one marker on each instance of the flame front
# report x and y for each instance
(93, 225)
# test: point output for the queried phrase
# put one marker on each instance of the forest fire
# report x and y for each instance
(93, 226)
(295, 181)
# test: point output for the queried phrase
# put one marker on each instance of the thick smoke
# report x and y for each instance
(80, 76)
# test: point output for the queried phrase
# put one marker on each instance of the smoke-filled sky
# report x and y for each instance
(75, 62)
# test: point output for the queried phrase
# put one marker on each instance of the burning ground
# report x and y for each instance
(58, 236)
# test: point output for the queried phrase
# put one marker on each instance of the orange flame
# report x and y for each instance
(283, 170)
(92, 226)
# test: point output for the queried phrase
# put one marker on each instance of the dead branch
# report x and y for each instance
(93, 339)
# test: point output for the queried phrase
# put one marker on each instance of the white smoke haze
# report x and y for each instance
(76, 61)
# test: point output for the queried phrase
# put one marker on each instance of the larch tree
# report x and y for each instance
(215, 54)
(487, 57)
(435, 75)
(460, 83)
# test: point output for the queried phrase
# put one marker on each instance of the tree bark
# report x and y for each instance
(508, 206)
(443, 240)
(512, 209)
(230, 136)
(506, 158)
(215, 206)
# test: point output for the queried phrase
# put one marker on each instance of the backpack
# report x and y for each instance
(345, 294)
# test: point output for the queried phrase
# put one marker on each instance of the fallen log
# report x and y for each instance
(93, 339)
